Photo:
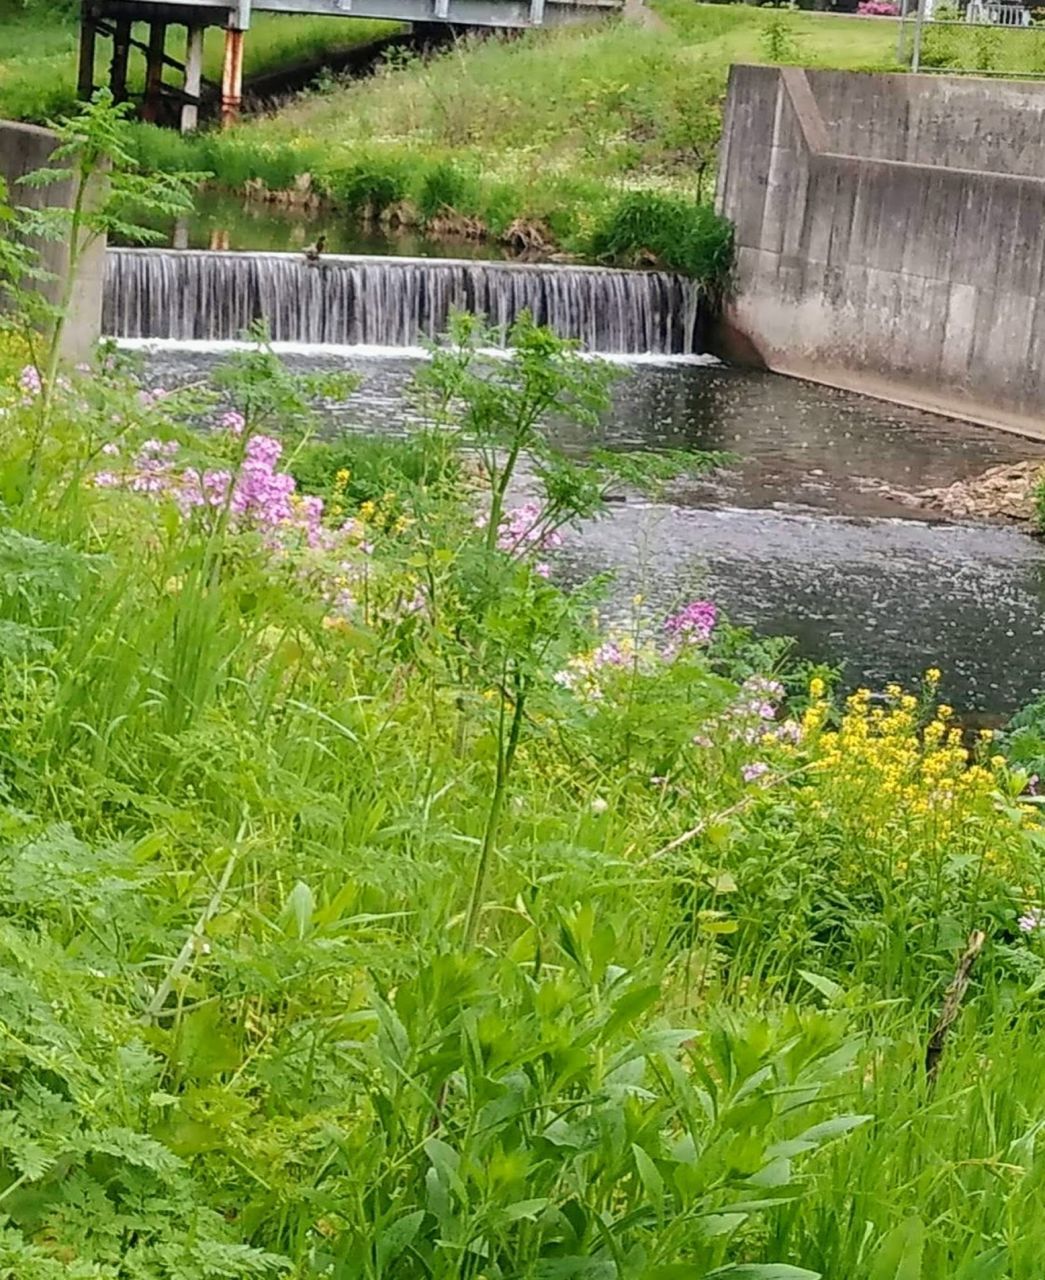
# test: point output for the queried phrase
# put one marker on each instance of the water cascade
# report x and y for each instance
(390, 302)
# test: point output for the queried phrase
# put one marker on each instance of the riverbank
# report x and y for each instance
(594, 141)
(371, 910)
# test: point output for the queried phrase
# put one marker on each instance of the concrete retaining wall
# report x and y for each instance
(24, 148)
(890, 235)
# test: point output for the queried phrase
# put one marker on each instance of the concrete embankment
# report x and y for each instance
(890, 236)
(23, 149)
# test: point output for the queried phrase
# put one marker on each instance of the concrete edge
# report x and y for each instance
(943, 406)
(817, 142)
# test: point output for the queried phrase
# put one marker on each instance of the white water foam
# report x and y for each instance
(319, 350)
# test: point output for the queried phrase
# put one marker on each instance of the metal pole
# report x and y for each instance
(190, 108)
(901, 32)
(919, 20)
(232, 77)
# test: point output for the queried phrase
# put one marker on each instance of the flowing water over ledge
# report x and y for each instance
(801, 537)
(360, 300)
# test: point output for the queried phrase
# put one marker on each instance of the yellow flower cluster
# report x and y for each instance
(898, 768)
(382, 513)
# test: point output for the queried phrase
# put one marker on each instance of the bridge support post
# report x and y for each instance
(190, 109)
(154, 71)
(232, 77)
(88, 39)
(121, 48)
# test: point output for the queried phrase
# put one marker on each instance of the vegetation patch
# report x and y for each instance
(373, 909)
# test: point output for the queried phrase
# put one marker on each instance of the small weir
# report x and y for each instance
(348, 300)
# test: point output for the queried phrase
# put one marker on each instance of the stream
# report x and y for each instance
(800, 537)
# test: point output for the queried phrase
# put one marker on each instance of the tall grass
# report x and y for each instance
(252, 1026)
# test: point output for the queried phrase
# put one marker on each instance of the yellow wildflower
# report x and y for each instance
(932, 676)
(816, 687)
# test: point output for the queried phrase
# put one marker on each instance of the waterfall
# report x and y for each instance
(390, 302)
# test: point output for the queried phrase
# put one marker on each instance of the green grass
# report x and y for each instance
(38, 69)
(554, 131)
(277, 1002)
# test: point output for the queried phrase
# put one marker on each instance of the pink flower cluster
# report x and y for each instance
(257, 496)
(751, 716)
(523, 532)
(691, 625)
(1032, 920)
(877, 9)
(30, 382)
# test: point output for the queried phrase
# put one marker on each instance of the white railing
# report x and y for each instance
(998, 15)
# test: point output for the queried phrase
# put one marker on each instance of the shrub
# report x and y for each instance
(445, 185)
(370, 184)
(678, 234)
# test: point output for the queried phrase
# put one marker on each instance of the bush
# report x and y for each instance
(677, 234)
(368, 185)
(446, 186)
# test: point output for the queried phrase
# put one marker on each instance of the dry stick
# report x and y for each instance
(739, 807)
(952, 1002)
(191, 943)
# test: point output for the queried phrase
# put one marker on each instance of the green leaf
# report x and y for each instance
(652, 1182)
(828, 989)
(528, 1209)
(762, 1271)
(299, 907)
(899, 1256)
(991, 1265)
(398, 1237)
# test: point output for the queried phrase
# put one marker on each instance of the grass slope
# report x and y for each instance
(38, 55)
(597, 139)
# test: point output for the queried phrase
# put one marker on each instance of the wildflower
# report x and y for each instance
(944, 712)
(817, 687)
(30, 381)
(932, 676)
(691, 625)
(106, 480)
(599, 805)
(1032, 920)
(110, 450)
(752, 772)
(998, 762)
(233, 422)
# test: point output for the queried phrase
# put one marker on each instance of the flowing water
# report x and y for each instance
(803, 536)
(355, 300)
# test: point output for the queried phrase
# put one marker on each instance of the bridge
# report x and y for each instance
(117, 21)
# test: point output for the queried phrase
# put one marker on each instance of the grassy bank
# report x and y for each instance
(38, 62)
(601, 141)
(371, 913)
(375, 910)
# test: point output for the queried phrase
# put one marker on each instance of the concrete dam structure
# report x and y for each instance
(23, 149)
(890, 235)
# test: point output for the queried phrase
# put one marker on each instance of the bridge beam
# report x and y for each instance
(154, 59)
(121, 49)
